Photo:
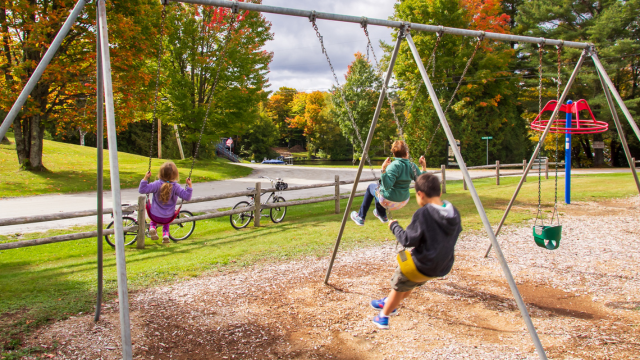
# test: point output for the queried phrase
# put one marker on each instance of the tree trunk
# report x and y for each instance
(598, 158)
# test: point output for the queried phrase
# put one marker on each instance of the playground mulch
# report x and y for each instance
(583, 299)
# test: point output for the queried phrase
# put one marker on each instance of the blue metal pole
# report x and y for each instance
(567, 157)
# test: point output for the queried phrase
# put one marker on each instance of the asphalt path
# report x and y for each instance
(293, 175)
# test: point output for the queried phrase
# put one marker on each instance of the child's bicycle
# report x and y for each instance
(129, 218)
(239, 221)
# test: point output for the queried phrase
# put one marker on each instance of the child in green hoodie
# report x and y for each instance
(393, 191)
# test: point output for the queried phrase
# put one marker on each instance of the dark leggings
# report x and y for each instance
(370, 196)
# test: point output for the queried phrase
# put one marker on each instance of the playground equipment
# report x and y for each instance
(105, 92)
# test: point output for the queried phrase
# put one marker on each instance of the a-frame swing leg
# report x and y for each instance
(476, 200)
(121, 268)
(623, 138)
(99, 168)
(365, 151)
(540, 144)
(615, 93)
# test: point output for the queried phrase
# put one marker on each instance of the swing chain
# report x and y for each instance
(155, 99)
(539, 213)
(555, 205)
(375, 59)
(464, 72)
(432, 60)
(312, 19)
(220, 58)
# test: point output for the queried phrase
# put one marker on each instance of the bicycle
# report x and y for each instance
(177, 232)
(277, 214)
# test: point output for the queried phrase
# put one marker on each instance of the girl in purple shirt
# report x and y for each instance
(165, 192)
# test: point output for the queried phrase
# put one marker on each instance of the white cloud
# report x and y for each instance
(298, 61)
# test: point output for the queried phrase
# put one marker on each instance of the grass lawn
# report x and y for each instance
(49, 282)
(72, 168)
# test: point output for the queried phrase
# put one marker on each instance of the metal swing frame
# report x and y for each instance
(105, 93)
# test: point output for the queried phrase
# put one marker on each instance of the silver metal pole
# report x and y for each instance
(37, 73)
(476, 200)
(614, 91)
(121, 266)
(365, 151)
(540, 144)
(623, 138)
(100, 165)
(386, 23)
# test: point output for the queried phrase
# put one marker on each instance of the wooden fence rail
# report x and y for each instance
(141, 210)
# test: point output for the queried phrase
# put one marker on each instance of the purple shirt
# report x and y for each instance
(167, 209)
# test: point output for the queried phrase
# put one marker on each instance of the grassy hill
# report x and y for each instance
(72, 168)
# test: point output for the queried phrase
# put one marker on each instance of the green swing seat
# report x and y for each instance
(547, 237)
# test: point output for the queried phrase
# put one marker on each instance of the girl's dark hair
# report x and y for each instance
(429, 185)
(168, 172)
(399, 149)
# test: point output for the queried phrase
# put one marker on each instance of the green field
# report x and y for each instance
(72, 168)
(49, 282)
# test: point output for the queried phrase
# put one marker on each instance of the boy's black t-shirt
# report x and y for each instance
(432, 233)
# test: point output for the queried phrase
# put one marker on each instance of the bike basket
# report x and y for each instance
(280, 186)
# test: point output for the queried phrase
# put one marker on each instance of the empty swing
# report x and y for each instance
(549, 236)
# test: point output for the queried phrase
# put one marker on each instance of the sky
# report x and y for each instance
(298, 61)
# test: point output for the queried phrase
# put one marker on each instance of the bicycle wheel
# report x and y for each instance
(183, 230)
(239, 221)
(129, 236)
(277, 213)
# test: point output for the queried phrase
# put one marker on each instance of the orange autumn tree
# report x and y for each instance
(64, 99)
(312, 113)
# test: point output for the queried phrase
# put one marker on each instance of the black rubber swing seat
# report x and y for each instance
(547, 237)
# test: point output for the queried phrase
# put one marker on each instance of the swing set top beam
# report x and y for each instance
(236, 5)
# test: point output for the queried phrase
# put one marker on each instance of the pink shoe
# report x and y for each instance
(153, 233)
(165, 237)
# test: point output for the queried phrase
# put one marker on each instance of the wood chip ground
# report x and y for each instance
(583, 299)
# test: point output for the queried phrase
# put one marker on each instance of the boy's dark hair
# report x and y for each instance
(429, 185)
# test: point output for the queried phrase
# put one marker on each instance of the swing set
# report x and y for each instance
(106, 102)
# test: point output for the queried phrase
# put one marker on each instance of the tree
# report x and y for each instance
(361, 91)
(195, 55)
(67, 88)
(312, 114)
(260, 138)
(279, 109)
(485, 104)
(613, 27)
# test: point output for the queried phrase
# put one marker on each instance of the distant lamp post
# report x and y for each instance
(487, 138)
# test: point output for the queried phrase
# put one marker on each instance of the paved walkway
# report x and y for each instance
(293, 175)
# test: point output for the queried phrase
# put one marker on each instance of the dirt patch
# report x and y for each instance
(582, 299)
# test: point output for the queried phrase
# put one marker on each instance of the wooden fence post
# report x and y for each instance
(546, 168)
(337, 194)
(497, 172)
(142, 226)
(257, 213)
(524, 167)
(443, 170)
(464, 182)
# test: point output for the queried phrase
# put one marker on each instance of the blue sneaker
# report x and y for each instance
(384, 219)
(381, 322)
(357, 219)
(379, 305)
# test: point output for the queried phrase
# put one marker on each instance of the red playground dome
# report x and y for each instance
(578, 126)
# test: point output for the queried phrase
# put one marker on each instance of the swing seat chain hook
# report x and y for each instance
(235, 7)
(312, 16)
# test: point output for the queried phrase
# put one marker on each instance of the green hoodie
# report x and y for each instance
(395, 181)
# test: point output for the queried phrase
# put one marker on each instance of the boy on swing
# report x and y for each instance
(432, 233)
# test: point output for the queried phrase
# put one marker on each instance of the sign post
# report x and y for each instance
(487, 138)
